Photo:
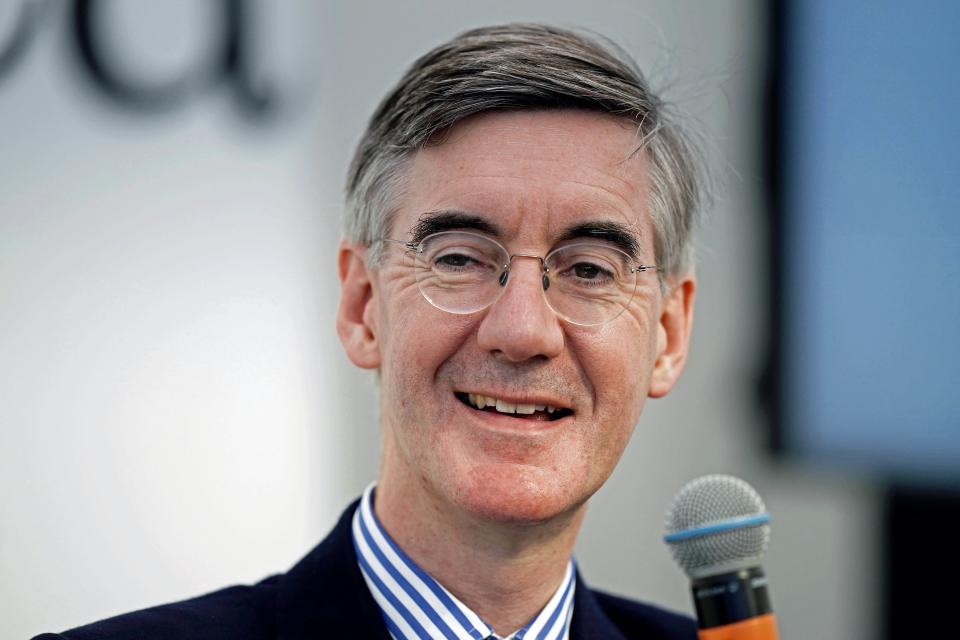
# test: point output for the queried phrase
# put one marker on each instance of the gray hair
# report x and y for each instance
(523, 66)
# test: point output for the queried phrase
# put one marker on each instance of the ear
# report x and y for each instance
(357, 313)
(673, 336)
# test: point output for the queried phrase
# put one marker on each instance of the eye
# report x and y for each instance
(587, 275)
(588, 267)
(454, 260)
(459, 260)
(588, 271)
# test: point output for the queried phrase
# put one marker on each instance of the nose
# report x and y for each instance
(519, 324)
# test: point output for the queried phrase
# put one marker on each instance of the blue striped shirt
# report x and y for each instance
(416, 607)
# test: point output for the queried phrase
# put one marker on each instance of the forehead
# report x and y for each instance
(533, 174)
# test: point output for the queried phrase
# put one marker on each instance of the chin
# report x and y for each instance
(518, 494)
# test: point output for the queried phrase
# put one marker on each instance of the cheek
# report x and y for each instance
(619, 370)
(418, 339)
(401, 313)
(622, 353)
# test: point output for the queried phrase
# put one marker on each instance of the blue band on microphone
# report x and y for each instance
(718, 527)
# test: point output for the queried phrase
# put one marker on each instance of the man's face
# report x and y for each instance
(524, 179)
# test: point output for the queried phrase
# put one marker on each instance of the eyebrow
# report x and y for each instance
(619, 235)
(448, 220)
(615, 233)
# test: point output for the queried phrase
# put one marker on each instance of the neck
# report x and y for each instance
(504, 571)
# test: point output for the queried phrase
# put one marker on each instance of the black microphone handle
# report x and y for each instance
(731, 597)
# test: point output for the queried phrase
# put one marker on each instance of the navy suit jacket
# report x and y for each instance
(325, 596)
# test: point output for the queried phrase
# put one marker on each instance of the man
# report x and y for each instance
(516, 268)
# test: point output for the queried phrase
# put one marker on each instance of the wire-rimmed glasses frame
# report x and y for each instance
(586, 283)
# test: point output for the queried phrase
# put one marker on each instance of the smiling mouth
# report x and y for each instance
(542, 412)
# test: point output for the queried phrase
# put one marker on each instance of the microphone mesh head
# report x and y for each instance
(710, 500)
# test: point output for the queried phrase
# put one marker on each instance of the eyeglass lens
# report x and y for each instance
(586, 283)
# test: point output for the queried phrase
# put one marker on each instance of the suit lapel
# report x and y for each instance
(324, 595)
(589, 621)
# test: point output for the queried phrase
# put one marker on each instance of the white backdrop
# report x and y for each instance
(175, 411)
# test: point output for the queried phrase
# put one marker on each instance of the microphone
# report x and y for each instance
(718, 530)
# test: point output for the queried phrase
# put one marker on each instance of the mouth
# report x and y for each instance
(521, 411)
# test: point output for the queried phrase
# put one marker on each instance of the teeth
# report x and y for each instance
(482, 402)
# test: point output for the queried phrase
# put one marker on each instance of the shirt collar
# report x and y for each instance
(417, 607)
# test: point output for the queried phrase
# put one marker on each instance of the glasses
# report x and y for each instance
(585, 283)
